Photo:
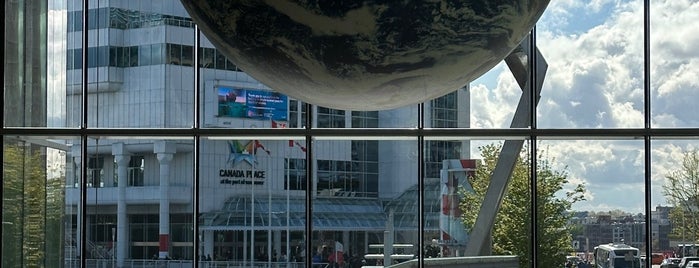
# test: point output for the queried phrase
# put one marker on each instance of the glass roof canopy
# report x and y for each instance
(405, 208)
(329, 214)
(337, 214)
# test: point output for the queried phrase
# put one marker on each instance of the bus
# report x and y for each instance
(616, 256)
(687, 250)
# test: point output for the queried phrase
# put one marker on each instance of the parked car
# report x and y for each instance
(670, 263)
(692, 264)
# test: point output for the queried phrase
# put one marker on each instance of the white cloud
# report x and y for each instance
(674, 61)
(494, 108)
(595, 79)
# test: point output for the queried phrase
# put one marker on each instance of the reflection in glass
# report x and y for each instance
(365, 204)
(138, 192)
(611, 185)
(34, 215)
(155, 174)
(252, 201)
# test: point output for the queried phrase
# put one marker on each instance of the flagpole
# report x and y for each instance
(287, 182)
(269, 222)
(269, 216)
(252, 217)
(288, 214)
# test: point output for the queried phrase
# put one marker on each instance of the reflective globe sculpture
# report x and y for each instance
(365, 55)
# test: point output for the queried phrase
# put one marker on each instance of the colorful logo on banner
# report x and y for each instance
(243, 152)
(247, 152)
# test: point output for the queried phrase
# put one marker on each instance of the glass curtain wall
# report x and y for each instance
(129, 141)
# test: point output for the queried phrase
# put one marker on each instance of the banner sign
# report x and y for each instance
(240, 102)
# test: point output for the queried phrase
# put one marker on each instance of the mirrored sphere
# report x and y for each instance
(365, 55)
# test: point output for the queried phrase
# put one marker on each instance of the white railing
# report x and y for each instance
(110, 263)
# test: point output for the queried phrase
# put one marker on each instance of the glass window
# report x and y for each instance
(103, 18)
(220, 61)
(93, 57)
(230, 65)
(123, 54)
(113, 57)
(133, 56)
(207, 57)
(157, 54)
(606, 154)
(92, 18)
(95, 171)
(174, 52)
(330, 118)
(103, 56)
(187, 56)
(135, 171)
(144, 55)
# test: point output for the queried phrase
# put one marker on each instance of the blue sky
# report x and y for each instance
(595, 80)
(594, 51)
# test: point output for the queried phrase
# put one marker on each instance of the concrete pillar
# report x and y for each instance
(366, 242)
(165, 152)
(387, 247)
(277, 236)
(78, 234)
(346, 242)
(208, 243)
(122, 158)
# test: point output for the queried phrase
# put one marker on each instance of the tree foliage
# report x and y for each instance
(681, 189)
(512, 229)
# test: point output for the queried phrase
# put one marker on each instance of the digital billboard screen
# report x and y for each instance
(249, 103)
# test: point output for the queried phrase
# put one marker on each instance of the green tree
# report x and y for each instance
(512, 229)
(681, 189)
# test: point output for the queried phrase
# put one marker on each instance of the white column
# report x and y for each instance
(346, 242)
(165, 152)
(277, 235)
(78, 233)
(366, 242)
(122, 159)
(208, 243)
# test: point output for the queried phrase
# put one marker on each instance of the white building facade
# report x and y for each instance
(249, 192)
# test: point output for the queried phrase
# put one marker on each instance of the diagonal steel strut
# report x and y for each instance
(517, 61)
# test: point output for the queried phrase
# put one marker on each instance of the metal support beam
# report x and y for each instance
(517, 61)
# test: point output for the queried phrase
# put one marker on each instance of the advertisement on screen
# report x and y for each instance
(236, 102)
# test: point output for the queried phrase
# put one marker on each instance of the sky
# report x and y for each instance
(594, 52)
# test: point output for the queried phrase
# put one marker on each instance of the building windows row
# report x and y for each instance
(144, 55)
(444, 115)
(342, 176)
(295, 114)
(445, 111)
(295, 174)
(144, 234)
(365, 119)
(331, 118)
(213, 59)
(135, 171)
(97, 172)
(118, 18)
